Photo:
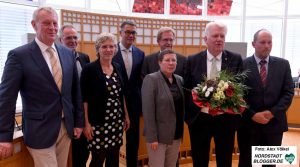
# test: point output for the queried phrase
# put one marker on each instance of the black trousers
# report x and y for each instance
(254, 136)
(222, 128)
(132, 141)
(111, 156)
(80, 152)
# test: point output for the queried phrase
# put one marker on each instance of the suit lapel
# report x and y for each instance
(225, 61)
(202, 61)
(254, 71)
(166, 89)
(134, 60)
(119, 59)
(180, 86)
(39, 59)
(63, 62)
(270, 70)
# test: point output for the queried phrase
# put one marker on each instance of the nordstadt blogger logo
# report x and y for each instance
(274, 155)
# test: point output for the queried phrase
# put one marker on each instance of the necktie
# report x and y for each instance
(263, 72)
(56, 68)
(78, 65)
(214, 69)
(127, 62)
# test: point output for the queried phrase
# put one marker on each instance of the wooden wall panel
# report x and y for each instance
(189, 34)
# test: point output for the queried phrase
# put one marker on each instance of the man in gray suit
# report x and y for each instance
(45, 74)
(165, 39)
(68, 36)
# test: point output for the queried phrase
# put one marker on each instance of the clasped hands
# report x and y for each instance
(263, 117)
(6, 149)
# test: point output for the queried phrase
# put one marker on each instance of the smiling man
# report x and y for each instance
(165, 39)
(202, 126)
(131, 60)
(45, 74)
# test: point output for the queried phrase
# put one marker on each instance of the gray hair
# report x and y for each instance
(162, 30)
(214, 24)
(45, 8)
(105, 36)
(62, 28)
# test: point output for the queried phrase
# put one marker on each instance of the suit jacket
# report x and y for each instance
(196, 70)
(83, 59)
(132, 84)
(150, 64)
(276, 96)
(94, 90)
(159, 109)
(27, 71)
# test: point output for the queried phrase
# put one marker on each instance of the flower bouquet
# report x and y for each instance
(221, 95)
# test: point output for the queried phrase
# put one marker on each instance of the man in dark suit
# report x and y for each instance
(68, 36)
(270, 95)
(202, 126)
(131, 60)
(165, 39)
(46, 76)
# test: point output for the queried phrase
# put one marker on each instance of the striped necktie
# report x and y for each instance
(56, 67)
(263, 72)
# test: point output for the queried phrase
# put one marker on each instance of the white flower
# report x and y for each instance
(204, 88)
(210, 89)
(207, 93)
(226, 85)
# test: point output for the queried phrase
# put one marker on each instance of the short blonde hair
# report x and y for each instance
(105, 36)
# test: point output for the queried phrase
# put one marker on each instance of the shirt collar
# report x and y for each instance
(43, 46)
(122, 47)
(210, 56)
(258, 59)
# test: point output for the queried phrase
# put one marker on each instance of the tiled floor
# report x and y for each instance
(290, 138)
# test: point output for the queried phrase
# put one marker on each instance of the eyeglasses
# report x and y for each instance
(168, 40)
(130, 32)
(71, 37)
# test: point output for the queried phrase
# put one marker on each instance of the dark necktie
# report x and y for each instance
(263, 72)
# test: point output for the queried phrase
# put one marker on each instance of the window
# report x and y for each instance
(292, 48)
(273, 25)
(15, 23)
(263, 8)
(67, 3)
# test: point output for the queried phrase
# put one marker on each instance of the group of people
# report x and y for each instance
(66, 99)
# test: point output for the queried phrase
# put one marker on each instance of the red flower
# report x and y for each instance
(230, 111)
(229, 91)
(215, 111)
(242, 109)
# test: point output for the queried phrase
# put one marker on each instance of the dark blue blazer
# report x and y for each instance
(276, 96)
(196, 70)
(27, 71)
(132, 84)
